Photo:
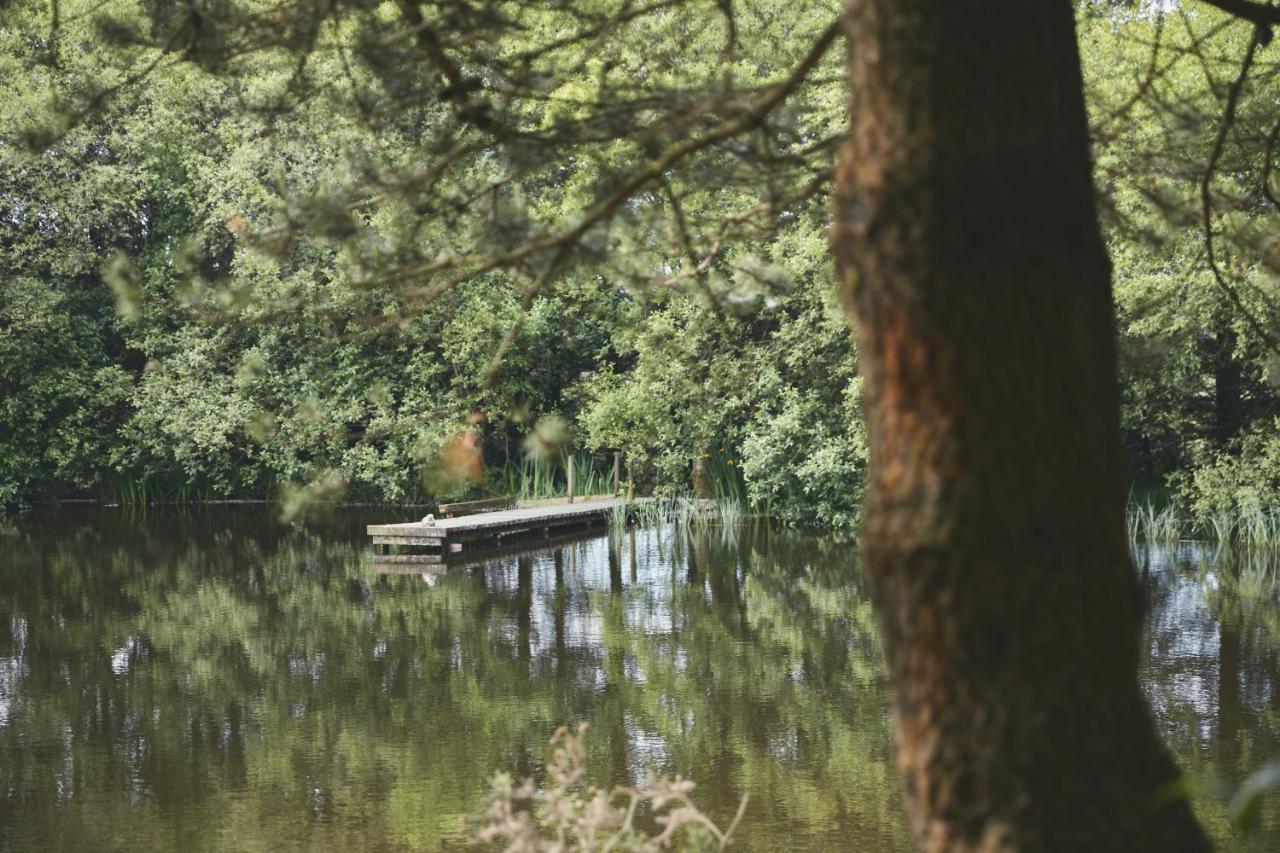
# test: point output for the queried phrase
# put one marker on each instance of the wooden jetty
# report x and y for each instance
(453, 535)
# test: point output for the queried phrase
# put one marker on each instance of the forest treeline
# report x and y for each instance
(147, 350)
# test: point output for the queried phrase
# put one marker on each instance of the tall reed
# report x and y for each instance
(688, 512)
(724, 474)
(136, 489)
(542, 478)
(1250, 526)
(1154, 526)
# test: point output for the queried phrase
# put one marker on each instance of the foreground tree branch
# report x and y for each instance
(1260, 35)
(1246, 10)
(603, 209)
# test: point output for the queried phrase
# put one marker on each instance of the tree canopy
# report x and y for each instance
(251, 247)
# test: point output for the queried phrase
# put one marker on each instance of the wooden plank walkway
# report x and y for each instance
(451, 535)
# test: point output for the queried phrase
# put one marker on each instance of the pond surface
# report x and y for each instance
(214, 681)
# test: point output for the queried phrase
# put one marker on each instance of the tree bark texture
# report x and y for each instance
(978, 283)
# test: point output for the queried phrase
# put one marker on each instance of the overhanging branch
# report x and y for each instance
(1248, 10)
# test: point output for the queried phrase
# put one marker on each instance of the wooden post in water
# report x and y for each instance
(632, 534)
(570, 478)
(617, 471)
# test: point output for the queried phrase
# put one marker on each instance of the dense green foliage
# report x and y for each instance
(149, 352)
(1199, 397)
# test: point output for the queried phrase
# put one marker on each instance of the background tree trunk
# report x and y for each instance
(978, 282)
(701, 480)
(1228, 382)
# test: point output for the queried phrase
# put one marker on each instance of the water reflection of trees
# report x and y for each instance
(213, 682)
(1213, 670)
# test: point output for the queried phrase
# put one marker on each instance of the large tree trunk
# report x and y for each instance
(979, 286)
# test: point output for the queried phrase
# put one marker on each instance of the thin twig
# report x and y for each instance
(607, 206)
(526, 303)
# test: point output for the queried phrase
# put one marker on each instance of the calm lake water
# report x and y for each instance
(214, 681)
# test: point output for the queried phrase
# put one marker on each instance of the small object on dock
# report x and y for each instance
(428, 519)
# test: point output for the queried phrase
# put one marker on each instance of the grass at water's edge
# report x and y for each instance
(1254, 527)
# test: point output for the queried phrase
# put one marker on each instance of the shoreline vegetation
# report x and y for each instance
(542, 475)
(1251, 527)
(1147, 522)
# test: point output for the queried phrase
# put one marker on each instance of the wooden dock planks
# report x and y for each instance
(456, 510)
(452, 534)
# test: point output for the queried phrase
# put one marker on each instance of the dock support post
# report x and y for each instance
(570, 478)
(617, 471)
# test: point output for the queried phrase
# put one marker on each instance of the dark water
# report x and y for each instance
(212, 681)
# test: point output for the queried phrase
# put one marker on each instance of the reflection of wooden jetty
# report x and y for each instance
(453, 535)
(409, 563)
(439, 563)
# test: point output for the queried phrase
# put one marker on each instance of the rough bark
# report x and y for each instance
(979, 287)
(701, 481)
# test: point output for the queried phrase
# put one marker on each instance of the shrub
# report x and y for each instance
(570, 814)
(1238, 484)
